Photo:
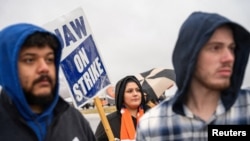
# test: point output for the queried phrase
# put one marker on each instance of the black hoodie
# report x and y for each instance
(170, 120)
(115, 117)
(191, 39)
(120, 88)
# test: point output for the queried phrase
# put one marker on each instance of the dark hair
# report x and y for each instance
(41, 39)
(120, 88)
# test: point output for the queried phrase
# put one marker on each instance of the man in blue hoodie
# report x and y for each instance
(30, 106)
(210, 58)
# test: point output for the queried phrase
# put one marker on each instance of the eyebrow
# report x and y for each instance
(34, 54)
(219, 43)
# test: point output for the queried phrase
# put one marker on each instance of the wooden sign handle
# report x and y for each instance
(104, 119)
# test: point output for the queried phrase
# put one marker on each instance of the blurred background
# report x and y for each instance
(132, 36)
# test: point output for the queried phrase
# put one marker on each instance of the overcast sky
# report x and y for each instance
(132, 36)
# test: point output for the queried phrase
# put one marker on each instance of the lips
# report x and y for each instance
(225, 72)
(137, 99)
(44, 83)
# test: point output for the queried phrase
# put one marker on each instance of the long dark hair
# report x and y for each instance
(120, 88)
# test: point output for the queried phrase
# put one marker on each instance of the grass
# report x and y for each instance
(107, 109)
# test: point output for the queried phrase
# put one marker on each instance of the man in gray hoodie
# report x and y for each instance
(210, 58)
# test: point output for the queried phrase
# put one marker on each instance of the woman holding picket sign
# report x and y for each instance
(130, 102)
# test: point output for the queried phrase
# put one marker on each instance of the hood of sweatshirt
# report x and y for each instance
(193, 35)
(11, 40)
(120, 89)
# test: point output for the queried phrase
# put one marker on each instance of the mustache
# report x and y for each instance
(227, 66)
(42, 78)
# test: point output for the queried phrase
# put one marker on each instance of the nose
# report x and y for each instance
(228, 55)
(136, 92)
(43, 66)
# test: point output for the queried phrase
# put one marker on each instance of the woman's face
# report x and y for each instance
(132, 96)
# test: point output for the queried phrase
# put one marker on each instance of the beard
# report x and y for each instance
(42, 100)
(219, 86)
